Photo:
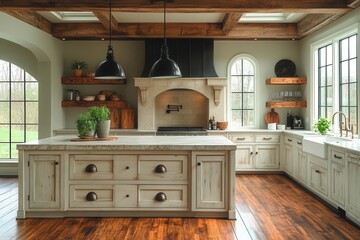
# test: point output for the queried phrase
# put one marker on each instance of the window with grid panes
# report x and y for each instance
(325, 78)
(242, 95)
(19, 109)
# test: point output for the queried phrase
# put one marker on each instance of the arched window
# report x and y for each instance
(241, 93)
(18, 109)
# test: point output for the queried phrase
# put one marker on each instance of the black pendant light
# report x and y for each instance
(165, 67)
(109, 69)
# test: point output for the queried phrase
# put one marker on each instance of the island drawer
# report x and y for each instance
(103, 167)
(337, 156)
(163, 167)
(163, 196)
(103, 196)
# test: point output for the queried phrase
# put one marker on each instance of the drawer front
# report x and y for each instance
(267, 138)
(91, 196)
(125, 167)
(160, 167)
(337, 156)
(163, 196)
(289, 140)
(297, 142)
(91, 167)
(125, 196)
(241, 138)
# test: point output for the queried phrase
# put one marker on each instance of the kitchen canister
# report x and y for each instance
(271, 126)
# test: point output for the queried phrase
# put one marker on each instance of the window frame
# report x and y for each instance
(334, 40)
(255, 64)
(24, 101)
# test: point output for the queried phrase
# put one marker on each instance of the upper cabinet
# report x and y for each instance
(290, 102)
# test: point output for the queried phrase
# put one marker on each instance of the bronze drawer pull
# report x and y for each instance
(161, 197)
(269, 138)
(91, 168)
(199, 163)
(91, 196)
(160, 169)
(299, 143)
(317, 171)
(289, 140)
(337, 157)
(242, 138)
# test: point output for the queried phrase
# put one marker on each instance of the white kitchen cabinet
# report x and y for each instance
(318, 175)
(337, 176)
(289, 156)
(353, 180)
(267, 156)
(44, 178)
(300, 161)
(210, 182)
(257, 151)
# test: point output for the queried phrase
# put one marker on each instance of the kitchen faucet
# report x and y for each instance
(346, 129)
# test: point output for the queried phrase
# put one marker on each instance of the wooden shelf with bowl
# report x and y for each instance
(81, 103)
(287, 104)
(91, 81)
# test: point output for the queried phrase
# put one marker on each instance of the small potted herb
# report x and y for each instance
(101, 116)
(78, 67)
(86, 125)
(322, 125)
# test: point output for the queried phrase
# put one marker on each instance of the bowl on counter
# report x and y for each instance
(222, 125)
(89, 98)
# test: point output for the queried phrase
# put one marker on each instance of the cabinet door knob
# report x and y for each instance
(127, 167)
(127, 195)
(91, 168)
(199, 163)
(160, 169)
(256, 152)
(160, 197)
(251, 153)
(91, 196)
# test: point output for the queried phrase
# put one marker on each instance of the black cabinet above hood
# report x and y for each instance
(195, 57)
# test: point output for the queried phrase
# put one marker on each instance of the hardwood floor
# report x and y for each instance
(268, 207)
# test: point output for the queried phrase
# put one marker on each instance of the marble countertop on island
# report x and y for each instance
(133, 143)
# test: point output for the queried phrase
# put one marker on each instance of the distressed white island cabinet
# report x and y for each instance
(133, 176)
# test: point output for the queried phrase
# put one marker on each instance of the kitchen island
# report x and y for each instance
(132, 176)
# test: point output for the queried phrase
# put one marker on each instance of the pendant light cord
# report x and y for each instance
(110, 22)
(165, 23)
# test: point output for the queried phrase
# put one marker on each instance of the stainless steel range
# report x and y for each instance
(181, 131)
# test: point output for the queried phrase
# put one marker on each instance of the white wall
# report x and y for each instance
(305, 53)
(41, 55)
(267, 54)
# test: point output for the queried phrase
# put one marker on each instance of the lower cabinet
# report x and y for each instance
(210, 182)
(337, 176)
(257, 151)
(353, 180)
(318, 175)
(288, 156)
(44, 177)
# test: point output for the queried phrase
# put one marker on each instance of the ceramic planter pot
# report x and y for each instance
(103, 129)
(77, 72)
(90, 134)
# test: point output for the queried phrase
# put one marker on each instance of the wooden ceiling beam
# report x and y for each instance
(176, 30)
(104, 19)
(314, 22)
(33, 19)
(230, 20)
(223, 6)
(353, 3)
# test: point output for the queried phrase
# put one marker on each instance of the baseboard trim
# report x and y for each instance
(8, 169)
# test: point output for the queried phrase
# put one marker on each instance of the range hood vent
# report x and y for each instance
(195, 57)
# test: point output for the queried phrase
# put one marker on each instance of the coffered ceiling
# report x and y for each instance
(218, 19)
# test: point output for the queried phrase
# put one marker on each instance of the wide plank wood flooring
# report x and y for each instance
(268, 207)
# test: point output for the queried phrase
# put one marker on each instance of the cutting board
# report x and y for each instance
(272, 117)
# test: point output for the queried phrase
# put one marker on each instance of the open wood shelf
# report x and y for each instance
(287, 104)
(91, 81)
(110, 104)
(286, 81)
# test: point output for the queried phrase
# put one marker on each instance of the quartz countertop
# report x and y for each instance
(133, 143)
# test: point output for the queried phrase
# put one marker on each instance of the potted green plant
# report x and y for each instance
(101, 116)
(322, 125)
(86, 125)
(78, 66)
